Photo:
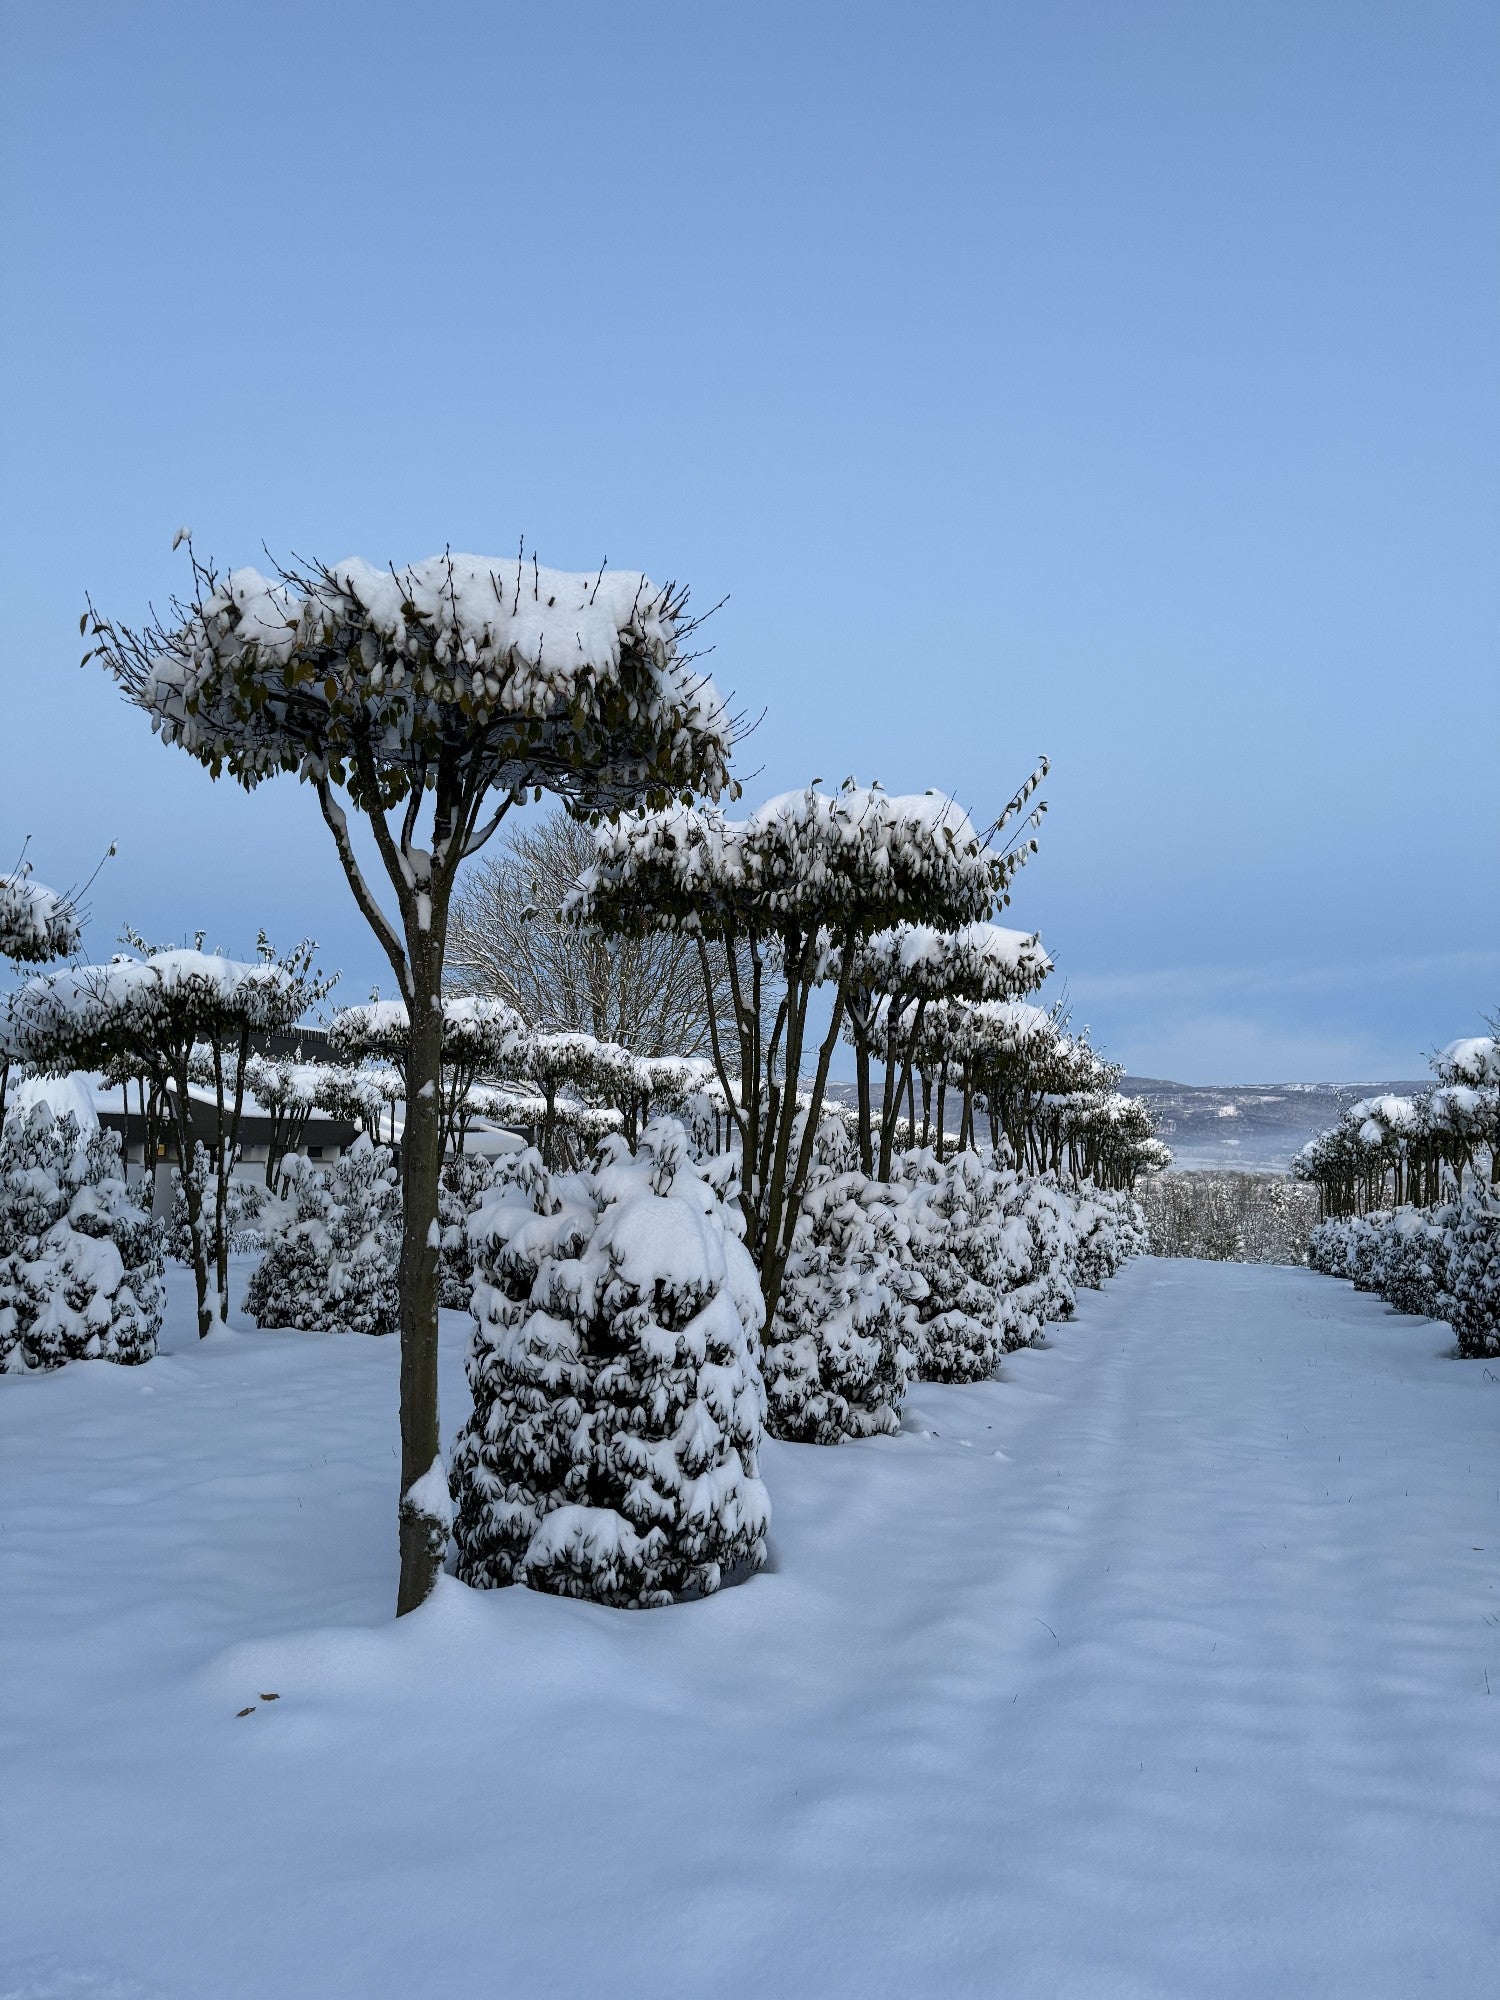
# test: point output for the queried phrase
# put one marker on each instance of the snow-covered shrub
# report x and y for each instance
(618, 1404)
(1046, 1293)
(844, 1342)
(969, 1253)
(335, 1238)
(1473, 1274)
(1132, 1224)
(245, 1213)
(1096, 1254)
(80, 1260)
(464, 1179)
(1441, 1262)
(1328, 1247)
(1110, 1227)
(1415, 1253)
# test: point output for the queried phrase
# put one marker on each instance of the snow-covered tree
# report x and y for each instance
(970, 1251)
(431, 700)
(618, 1404)
(989, 1049)
(36, 924)
(291, 1092)
(507, 942)
(791, 892)
(335, 1241)
(898, 974)
(80, 1261)
(572, 1070)
(173, 1017)
(481, 1039)
(466, 1178)
(1469, 1070)
(1110, 1140)
(844, 1338)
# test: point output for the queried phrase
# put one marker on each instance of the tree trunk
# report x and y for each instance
(192, 1196)
(421, 1164)
(862, 1073)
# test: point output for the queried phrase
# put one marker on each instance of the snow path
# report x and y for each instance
(1157, 1668)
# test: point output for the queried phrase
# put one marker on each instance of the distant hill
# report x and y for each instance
(1256, 1128)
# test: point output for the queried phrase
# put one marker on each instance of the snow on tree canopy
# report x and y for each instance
(293, 1086)
(349, 670)
(975, 962)
(70, 1018)
(35, 922)
(1382, 1119)
(857, 856)
(618, 1402)
(475, 1031)
(1475, 1060)
(571, 1056)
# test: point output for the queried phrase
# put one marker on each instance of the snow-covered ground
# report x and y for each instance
(1161, 1667)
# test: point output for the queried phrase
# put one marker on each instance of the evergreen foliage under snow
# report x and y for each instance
(465, 1179)
(335, 1236)
(970, 1252)
(1442, 1262)
(844, 1342)
(80, 1259)
(36, 923)
(618, 1404)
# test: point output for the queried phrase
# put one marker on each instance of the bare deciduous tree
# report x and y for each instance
(505, 942)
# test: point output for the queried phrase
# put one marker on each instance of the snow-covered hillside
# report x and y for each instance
(1245, 1128)
(1161, 1666)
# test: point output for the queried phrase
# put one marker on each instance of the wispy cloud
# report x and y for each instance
(1348, 1020)
(1276, 977)
(1232, 1048)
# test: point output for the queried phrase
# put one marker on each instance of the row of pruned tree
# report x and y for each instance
(80, 1261)
(1389, 1151)
(179, 1025)
(433, 701)
(1409, 1196)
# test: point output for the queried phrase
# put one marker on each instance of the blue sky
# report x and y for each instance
(1113, 380)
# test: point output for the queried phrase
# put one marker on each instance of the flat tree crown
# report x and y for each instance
(373, 677)
(92, 1014)
(1474, 1060)
(475, 1030)
(975, 962)
(859, 859)
(36, 923)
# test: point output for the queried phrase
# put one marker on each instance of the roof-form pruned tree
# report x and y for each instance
(429, 699)
(897, 974)
(791, 892)
(164, 1017)
(36, 923)
(507, 941)
(482, 1040)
